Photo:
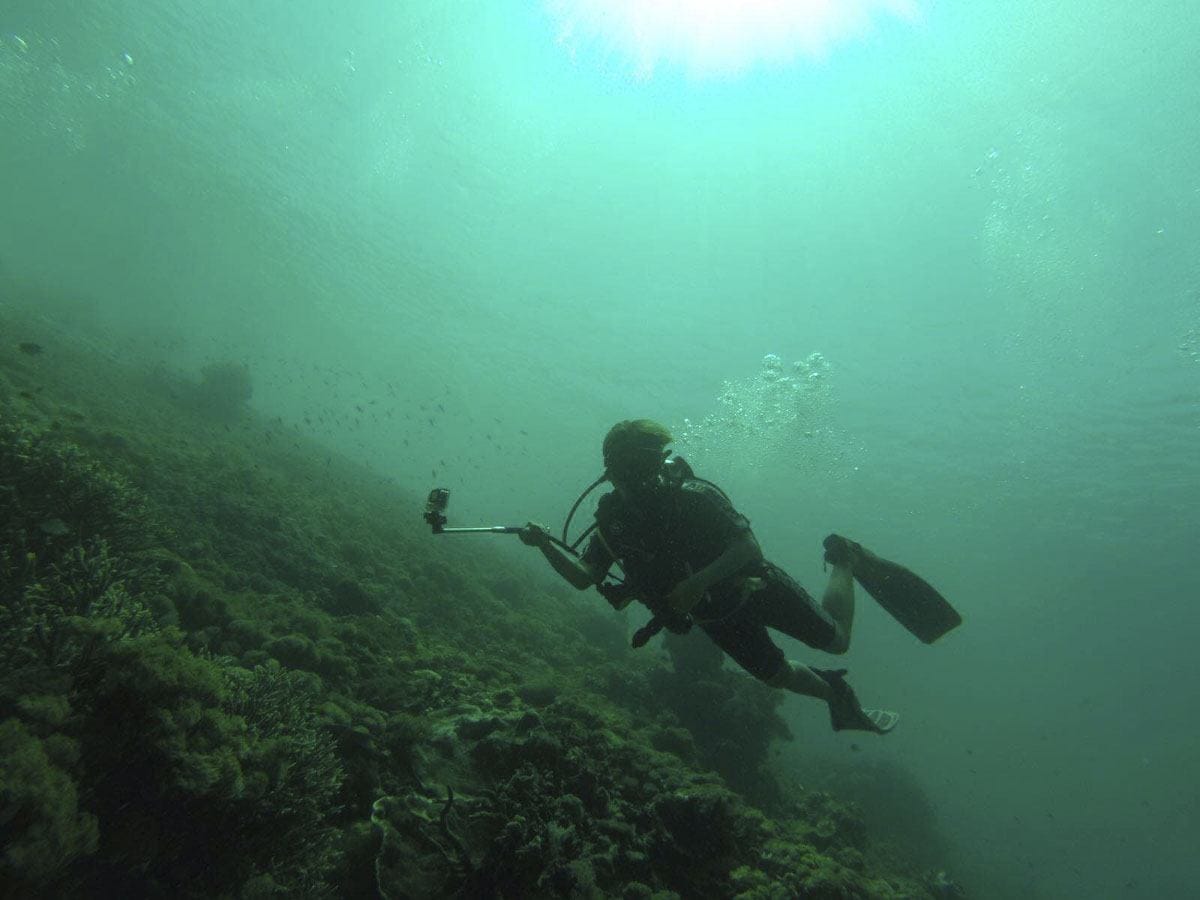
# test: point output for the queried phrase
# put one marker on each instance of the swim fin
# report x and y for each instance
(845, 712)
(909, 599)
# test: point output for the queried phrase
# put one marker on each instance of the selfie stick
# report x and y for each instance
(435, 515)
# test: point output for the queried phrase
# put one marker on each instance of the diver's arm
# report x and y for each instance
(692, 589)
(577, 572)
(739, 553)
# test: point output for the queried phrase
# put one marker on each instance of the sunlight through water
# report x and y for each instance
(708, 38)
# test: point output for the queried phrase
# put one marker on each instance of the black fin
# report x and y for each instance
(908, 598)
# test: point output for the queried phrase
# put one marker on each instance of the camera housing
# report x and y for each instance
(435, 509)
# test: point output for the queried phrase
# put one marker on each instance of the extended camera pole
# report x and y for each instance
(435, 515)
(618, 594)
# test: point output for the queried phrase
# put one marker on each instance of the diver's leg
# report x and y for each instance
(845, 712)
(800, 679)
(781, 603)
(744, 637)
(838, 602)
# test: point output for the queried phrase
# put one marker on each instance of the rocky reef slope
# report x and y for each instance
(231, 665)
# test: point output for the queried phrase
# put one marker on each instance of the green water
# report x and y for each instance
(496, 244)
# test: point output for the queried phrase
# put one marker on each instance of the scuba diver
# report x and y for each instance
(692, 559)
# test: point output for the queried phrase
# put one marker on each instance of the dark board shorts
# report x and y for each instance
(781, 604)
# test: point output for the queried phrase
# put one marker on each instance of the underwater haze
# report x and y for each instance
(924, 274)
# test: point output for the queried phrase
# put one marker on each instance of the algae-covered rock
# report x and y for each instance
(539, 694)
(831, 823)
(42, 802)
(295, 651)
(347, 597)
(678, 741)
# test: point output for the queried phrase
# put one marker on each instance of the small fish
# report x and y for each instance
(30, 347)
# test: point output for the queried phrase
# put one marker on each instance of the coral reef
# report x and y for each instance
(222, 677)
(129, 761)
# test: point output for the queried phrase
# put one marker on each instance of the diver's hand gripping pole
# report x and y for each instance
(435, 515)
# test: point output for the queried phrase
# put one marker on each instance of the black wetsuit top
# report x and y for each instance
(666, 534)
(680, 527)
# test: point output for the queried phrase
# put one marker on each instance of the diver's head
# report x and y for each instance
(634, 451)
